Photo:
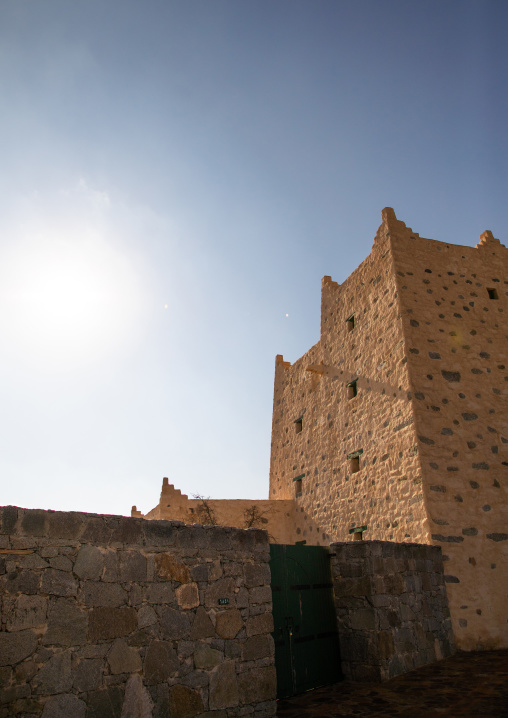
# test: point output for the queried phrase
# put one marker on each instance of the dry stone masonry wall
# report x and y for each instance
(392, 608)
(104, 613)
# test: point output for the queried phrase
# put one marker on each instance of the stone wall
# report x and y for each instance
(384, 491)
(454, 304)
(102, 613)
(427, 353)
(392, 609)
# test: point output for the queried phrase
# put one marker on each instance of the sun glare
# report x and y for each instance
(66, 299)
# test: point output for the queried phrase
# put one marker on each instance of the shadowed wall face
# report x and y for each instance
(392, 608)
(100, 613)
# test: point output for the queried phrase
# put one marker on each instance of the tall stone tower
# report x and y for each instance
(396, 419)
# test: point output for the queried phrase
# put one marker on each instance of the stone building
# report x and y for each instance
(395, 420)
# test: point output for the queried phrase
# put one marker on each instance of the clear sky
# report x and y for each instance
(175, 179)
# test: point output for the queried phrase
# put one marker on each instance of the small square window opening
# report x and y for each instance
(298, 485)
(350, 323)
(493, 293)
(299, 425)
(354, 461)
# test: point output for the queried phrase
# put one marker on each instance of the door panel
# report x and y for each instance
(306, 642)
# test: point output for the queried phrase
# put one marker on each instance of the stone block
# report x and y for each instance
(160, 697)
(184, 702)
(89, 563)
(257, 647)
(161, 593)
(106, 623)
(228, 623)
(15, 647)
(219, 539)
(126, 530)
(146, 616)
(58, 583)
(257, 685)
(206, 657)
(199, 572)
(132, 566)
(143, 636)
(169, 568)
(23, 581)
(8, 519)
(223, 691)
(260, 594)
(223, 588)
(111, 572)
(257, 574)
(64, 706)
(54, 676)
(123, 658)
(87, 674)
(363, 620)
(95, 530)
(259, 624)
(67, 624)
(137, 701)
(28, 612)
(97, 593)
(105, 703)
(386, 645)
(62, 563)
(65, 525)
(33, 523)
(159, 533)
(174, 624)
(187, 595)
(202, 626)
(13, 693)
(161, 661)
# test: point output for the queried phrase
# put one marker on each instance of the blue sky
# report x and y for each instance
(176, 178)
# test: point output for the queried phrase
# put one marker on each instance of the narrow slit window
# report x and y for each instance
(354, 461)
(493, 293)
(350, 323)
(299, 425)
(298, 485)
(352, 389)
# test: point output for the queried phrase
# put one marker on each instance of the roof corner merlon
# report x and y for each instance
(328, 281)
(487, 239)
(279, 361)
(391, 225)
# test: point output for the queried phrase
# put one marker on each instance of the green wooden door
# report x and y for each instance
(305, 627)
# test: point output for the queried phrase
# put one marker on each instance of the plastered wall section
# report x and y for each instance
(113, 616)
(316, 427)
(275, 517)
(454, 303)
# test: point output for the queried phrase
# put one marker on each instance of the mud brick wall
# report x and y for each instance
(103, 613)
(392, 608)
